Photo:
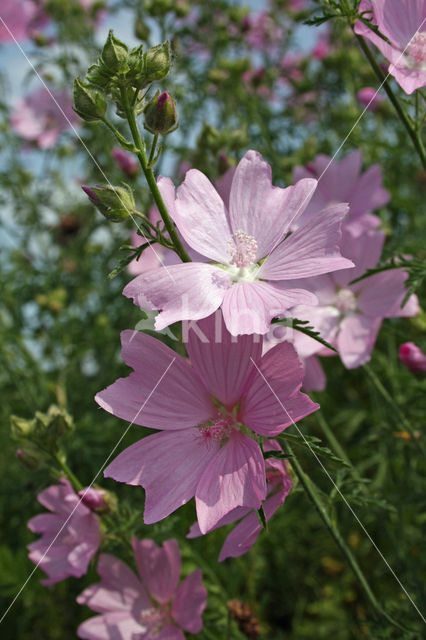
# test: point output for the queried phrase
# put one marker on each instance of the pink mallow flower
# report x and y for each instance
(42, 116)
(413, 357)
(403, 23)
(126, 161)
(342, 181)
(69, 553)
(149, 606)
(349, 316)
(216, 404)
(369, 97)
(252, 256)
(22, 17)
(244, 535)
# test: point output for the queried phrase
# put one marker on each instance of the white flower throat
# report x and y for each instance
(242, 257)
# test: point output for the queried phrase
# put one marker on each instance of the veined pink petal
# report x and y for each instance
(261, 210)
(383, 294)
(117, 625)
(369, 193)
(187, 291)
(234, 477)
(159, 567)
(168, 465)
(222, 361)
(271, 405)
(311, 250)
(398, 20)
(364, 251)
(248, 307)
(118, 590)
(356, 339)
(139, 398)
(190, 602)
(200, 215)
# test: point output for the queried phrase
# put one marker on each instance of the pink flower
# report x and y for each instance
(413, 358)
(150, 606)
(244, 535)
(202, 448)
(69, 553)
(368, 97)
(42, 116)
(126, 161)
(22, 17)
(403, 23)
(322, 47)
(250, 253)
(349, 316)
(342, 181)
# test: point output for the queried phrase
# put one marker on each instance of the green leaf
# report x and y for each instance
(304, 327)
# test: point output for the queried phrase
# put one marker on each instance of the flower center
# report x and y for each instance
(242, 250)
(154, 619)
(345, 300)
(218, 430)
(417, 51)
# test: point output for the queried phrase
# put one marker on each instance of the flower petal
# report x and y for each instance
(159, 373)
(234, 477)
(187, 291)
(190, 602)
(273, 400)
(311, 250)
(117, 625)
(159, 567)
(248, 307)
(222, 361)
(200, 215)
(168, 465)
(356, 339)
(261, 210)
(383, 294)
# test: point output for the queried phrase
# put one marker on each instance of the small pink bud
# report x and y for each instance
(125, 161)
(369, 98)
(93, 499)
(413, 358)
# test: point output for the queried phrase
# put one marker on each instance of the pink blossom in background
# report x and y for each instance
(342, 181)
(368, 97)
(79, 538)
(322, 47)
(403, 23)
(250, 253)
(262, 33)
(149, 606)
(42, 116)
(413, 357)
(244, 535)
(126, 161)
(23, 19)
(349, 316)
(201, 448)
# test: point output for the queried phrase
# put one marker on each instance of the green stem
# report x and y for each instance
(334, 443)
(152, 152)
(69, 474)
(310, 489)
(150, 178)
(411, 130)
(121, 139)
(397, 411)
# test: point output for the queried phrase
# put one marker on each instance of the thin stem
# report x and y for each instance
(121, 139)
(335, 444)
(69, 474)
(397, 411)
(150, 178)
(310, 489)
(411, 130)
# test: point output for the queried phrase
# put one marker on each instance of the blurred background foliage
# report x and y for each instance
(60, 318)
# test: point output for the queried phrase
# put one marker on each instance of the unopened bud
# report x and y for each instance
(115, 203)
(127, 163)
(157, 62)
(94, 499)
(89, 104)
(114, 53)
(161, 114)
(413, 358)
(29, 459)
(142, 30)
(21, 427)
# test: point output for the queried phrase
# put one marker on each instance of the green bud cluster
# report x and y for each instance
(40, 434)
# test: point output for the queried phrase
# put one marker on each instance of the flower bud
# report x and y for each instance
(114, 54)
(126, 161)
(94, 499)
(157, 62)
(21, 427)
(115, 203)
(89, 104)
(29, 459)
(98, 75)
(413, 358)
(161, 114)
(142, 30)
